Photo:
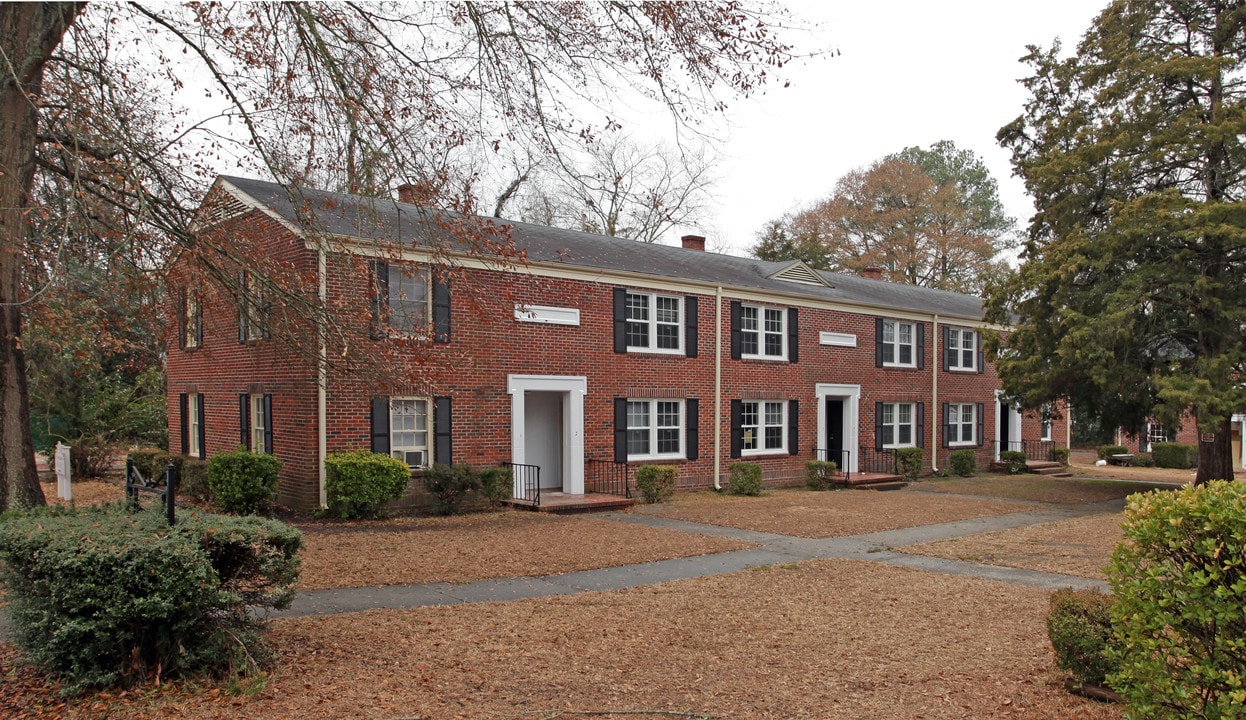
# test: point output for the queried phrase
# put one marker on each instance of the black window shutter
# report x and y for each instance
(921, 345)
(242, 306)
(949, 357)
(441, 311)
(878, 345)
(979, 413)
(793, 335)
(378, 285)
(380, 424)
(690, 326)
(197, 319)
(737, 340)
(620, 320)
(921, 424)
(183, 402)
(793, 426)
(182, 319)
(443, 431)
(203, 433)
(693, 431)
(737, 434)
(977, 340)
(268, 424)
(878, 420)
(947, 425)
(620, 430)
(244, 419)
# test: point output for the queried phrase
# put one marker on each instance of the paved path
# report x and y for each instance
(772, 549)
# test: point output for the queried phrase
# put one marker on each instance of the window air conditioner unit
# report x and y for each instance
(414, 458)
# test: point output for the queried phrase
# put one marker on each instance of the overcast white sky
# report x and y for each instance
(909, 72)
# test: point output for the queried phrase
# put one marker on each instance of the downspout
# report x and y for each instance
(718, 384)
(322, 374)
(934, 399)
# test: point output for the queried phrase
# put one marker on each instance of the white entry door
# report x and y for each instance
(543, 435)
(547, 429)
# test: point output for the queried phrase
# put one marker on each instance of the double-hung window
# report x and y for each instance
(256, 418)
(407, 299)
(1155, 433)
(194, 432)
(962, 349)
(961, 422)
(897, 425)
(655, 429)
(409, 431)
(898, 343)
(192, 320)
(1045, 424)
(762, 332)
(654, 323)
(253, 308)
(763, 426)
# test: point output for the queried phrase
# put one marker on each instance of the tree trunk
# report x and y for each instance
(29, 32)
(1215, 457)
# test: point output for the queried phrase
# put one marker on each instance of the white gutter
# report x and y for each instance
(718, 384)
(934, 399)
(322, 378)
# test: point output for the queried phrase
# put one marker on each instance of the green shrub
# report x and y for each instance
(656, 482)
(1060, 455)
(1142, 460)
(745, 479)
(448, 484)
(1180, 582)
(818, 474)
(909, 462)
(1107, 451)
(1015, 462)
(101, 596)
(1079, 625)
(243, 482)
(1175, 455)
(358, 483)
(496, 484)
(964, 462)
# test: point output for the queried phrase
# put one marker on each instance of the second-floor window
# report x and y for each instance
(407, 299)
(654, 323)
(253, 308)
(762, 332)
(192, 320)
(962, 349)
(898, 343)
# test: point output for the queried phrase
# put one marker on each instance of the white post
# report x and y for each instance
(63, 486)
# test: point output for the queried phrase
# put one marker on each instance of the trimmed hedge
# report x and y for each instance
(1175, 455)
(909, 462)
(1015, 462)
(963, 462)
(745, 479)
(358, 483)
(656, 482)
(818, 474)
(243, 482)
(1079, 625)
(1179, 578)
(1106, 451)
(101, 596)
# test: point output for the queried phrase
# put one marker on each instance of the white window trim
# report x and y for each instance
(896, 345)
(762, 427)
(761, 332)
(192, 320)
(192, 426)
(1152, 437)
(1045, 425)
(960, 425)
(428, 430)
(895, 433)
(962, 333)
(653, 430)
(258, 428)
(652, 322)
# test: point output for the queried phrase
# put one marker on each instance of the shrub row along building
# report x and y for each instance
(581, 355)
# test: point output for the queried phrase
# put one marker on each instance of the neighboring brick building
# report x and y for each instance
(593, 350)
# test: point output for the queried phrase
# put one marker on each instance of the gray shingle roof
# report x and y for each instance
(389, 220)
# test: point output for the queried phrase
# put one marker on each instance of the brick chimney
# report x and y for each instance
(872, 273)
(694, 242)
(406, 194)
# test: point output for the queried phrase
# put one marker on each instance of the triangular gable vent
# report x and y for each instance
(218, 207)
(799, 272)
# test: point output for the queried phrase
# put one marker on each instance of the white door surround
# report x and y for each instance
(1014, 423)
(573, 388)
(851, 395)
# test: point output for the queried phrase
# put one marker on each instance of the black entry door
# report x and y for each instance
(1002, 415)
(835, 431)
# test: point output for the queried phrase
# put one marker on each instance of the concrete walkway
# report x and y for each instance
(771, 549)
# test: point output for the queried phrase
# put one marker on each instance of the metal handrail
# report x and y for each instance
(843, 462)
(607, 477)
(529, 477)
(874, 460)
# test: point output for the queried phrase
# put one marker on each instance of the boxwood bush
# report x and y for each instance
(243, 482)
(1015, 462)
(102, 596)
(1179, 578)
(744, 479)
(1079, 625)
(818, 474)
(963, 462)
(358, 483)
(1175, 455)
(496, 484)
(1107, 451)
(1060, 455)
(448, 485)
(657, 482)
(909, 462)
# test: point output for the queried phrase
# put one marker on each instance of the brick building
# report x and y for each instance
(587, 352)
